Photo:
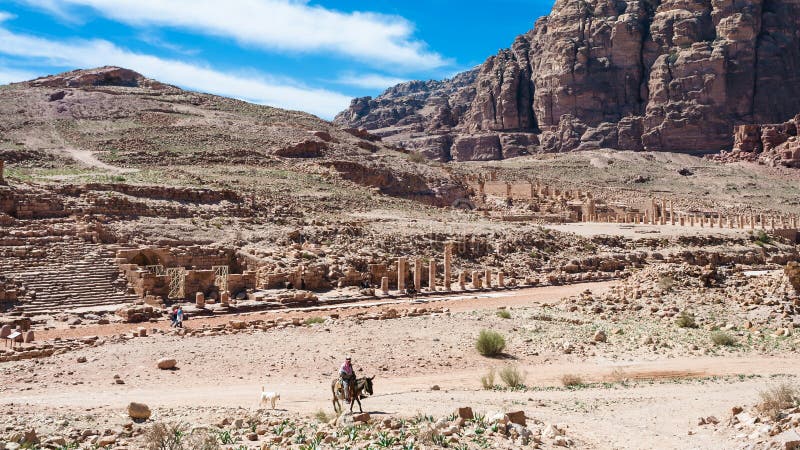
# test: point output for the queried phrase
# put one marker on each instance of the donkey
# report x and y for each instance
(362, 388)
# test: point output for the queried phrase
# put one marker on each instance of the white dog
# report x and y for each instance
(271, 397)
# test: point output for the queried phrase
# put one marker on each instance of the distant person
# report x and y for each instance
(173, 316)
(179, 317)
(348, 376)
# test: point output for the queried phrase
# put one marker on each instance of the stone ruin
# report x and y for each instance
(549, 204)
(158, 274)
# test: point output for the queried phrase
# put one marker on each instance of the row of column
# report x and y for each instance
(476, 281)
(654, 216)
(731, 221)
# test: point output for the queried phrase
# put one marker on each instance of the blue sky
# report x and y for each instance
(308, 55)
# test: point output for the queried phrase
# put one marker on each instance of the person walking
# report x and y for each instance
(179, 317)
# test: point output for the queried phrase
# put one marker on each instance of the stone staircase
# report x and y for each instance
(65, 276)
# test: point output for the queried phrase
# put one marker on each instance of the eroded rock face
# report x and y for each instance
(774, 144)
(671, 75)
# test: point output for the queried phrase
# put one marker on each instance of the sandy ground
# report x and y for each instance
(655, 407)
(641, 231)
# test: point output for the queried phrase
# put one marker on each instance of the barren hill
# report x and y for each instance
(115, 119)
(633, 75)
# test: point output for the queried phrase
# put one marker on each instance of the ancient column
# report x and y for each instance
(488, 278)
(225, 298)
(794, 221)
(772, 222)
(682, 221)
(752, 222)
(533, 191)
(2, 180)
(432, 275)
(402, 264)
(783, 223)
(590, 208)
(671, 213)
(200, 300)
(691, 220)
(663, 220)
(501, 279)
(508, 190)
(462, 280)
(476, 279)
(763, 221)
(385, 285)
(448, 256)
(481, 190)
(418, 274)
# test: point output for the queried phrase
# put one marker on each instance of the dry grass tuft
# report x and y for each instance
(487, 381)
(778, 398)
(512, 376)
(571, 380)
(723, 338)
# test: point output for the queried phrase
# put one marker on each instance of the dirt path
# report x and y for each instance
(645, 415)
(455, 303)
(87, 158)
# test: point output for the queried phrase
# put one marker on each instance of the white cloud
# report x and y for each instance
(256, 88)
(368, 80)
(14, 76)
(6, 16)
(286, 25)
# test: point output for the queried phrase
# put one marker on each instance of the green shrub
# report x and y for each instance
(723, 338)
(490, 343)
(512, 376)
(314, 320)
(503, 314)
(686, 320)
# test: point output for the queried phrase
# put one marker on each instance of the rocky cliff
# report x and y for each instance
(672, 75)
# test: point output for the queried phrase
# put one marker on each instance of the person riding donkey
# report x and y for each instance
(348, 376)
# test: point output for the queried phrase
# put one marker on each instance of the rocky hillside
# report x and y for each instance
(670, 75)
(114, 119)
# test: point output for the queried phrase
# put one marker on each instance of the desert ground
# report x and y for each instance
(594, 299)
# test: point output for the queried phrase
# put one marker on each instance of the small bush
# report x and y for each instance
(686, 320)
(762, 238)
(571, 380)
(512, 376)
(314, 320)
(487, 381)
(175, 437)
(417, 158)
(490, 343)
(503, 314)
(778, 398)
(723, 338)
(665, 282)
(321, 416)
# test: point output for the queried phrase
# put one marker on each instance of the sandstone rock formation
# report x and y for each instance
(773, 144)
(668, 75)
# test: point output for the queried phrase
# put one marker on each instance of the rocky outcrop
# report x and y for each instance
(772, 144)
(672, 75)
(101, 76)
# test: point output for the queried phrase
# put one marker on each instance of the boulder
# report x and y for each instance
(465, 413)
(600, 336)
(138, 411)
(166, 363)
(517, 417)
